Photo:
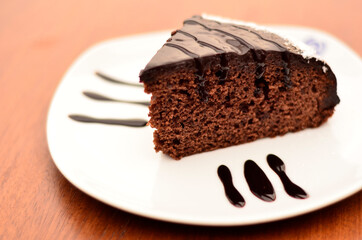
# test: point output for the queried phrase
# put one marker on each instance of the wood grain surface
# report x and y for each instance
(39, 39)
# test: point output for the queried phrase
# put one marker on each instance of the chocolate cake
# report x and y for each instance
(217, 84)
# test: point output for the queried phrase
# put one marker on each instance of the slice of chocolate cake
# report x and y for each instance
(217, 84)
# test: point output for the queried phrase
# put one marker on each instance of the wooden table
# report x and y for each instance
(39, 40)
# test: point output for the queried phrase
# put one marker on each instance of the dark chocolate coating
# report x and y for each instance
(202, 38)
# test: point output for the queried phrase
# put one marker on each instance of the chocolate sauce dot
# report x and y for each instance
(291, 188)
(258, 182)
(232, 194)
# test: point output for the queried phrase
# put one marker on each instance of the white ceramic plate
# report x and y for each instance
(118, 165)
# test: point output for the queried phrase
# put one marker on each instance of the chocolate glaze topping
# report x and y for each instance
(200, 38)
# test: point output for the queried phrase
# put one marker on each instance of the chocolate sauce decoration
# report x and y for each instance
(232, 194)
(216, 49)
(258, 182)
(121, 122)
(113, 80)
(291, 188)
(182, 49)
(223, 31)
(99, 97)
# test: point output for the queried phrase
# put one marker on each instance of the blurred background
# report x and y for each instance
(84, 22)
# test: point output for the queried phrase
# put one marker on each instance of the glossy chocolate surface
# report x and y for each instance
(200, 38)
(290, 188)
(232, 194)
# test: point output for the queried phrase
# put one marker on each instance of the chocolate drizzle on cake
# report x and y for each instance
(200, 81)
(241, 40)
(232, 194)
(224, 69)
(291, 188)
(261, 86)
(226, 34)
(286, 81)
(260, 37)
(182, 49)
(202, 43)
